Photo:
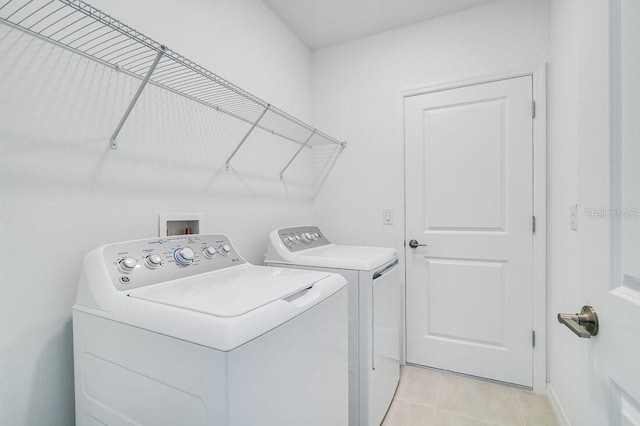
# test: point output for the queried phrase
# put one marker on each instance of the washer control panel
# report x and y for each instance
(140, 263)
(302, 238)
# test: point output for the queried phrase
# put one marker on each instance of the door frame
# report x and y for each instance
(539, 76)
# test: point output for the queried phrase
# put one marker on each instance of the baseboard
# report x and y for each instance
(557, 407)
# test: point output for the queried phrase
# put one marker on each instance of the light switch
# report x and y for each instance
(573, 217)
(387, 216)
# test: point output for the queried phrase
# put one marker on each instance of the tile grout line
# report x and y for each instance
(435, 405)
(414, 402)
(524, 422)
(489, 422)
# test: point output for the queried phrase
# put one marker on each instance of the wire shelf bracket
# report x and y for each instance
(227, 164)
(114, 140)
(296, 154)
(86, 31)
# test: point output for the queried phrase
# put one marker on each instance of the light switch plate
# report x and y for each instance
(387, 216)
(573, 217)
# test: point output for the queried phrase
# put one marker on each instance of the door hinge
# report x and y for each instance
(533, 109)
(533, 224)
(533, 338)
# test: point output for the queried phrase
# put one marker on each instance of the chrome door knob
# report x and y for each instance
(414, 244)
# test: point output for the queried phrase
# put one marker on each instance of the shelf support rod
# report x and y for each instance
(114, 142)
(297, 152)
(227, 163)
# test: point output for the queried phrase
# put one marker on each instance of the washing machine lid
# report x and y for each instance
(230, 293)
(345, 257)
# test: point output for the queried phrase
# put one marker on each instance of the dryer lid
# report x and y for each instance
(346, 257)
(230, 293)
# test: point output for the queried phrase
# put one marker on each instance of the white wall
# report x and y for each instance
(356, 96)
(564, 370)
(63, 192)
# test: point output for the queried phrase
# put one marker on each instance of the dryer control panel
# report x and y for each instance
(302, 238)
(140, 263)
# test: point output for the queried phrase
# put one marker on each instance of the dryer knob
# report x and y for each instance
(306, 237)
(209, 252)
(153, 261)
(296, 238)
(316, 236)
(183, 256)
(287, 240)
(225, 249)
(127, 265)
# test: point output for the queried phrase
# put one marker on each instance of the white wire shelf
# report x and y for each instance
(85, 30)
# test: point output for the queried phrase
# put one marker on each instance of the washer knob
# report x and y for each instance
(316, 236)
(127, 265)
(306, 237)
(296, 238)
(224, 249)
(209, 252)
(153, 261)
(287, 239)
(183, 256)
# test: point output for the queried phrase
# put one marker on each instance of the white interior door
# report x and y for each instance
(609, 227)
(623, 292)
(468, 170)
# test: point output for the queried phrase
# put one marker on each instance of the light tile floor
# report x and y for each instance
(427, 397)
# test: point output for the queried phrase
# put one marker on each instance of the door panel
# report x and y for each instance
(448, 152)
(468, 156)
(482, 282)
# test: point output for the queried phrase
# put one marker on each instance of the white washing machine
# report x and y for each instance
(183, 331)
(374, 311)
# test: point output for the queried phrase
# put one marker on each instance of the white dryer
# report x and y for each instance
(183, 331)
(374, 311)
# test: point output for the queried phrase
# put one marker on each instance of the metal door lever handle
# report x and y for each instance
(414, 244)
(584, 324)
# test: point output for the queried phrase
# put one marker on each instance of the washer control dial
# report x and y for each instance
(287, 240)
(297, 238)
(183, 256)
(306, 237)
(209, 252)
(153, 261)
(127, 265)
(224, 249)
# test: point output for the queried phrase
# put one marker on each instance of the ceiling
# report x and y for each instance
(321, 23)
